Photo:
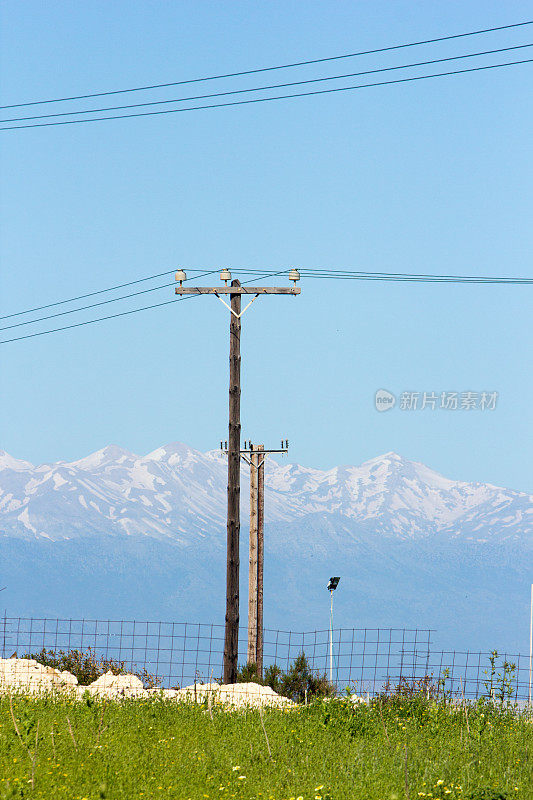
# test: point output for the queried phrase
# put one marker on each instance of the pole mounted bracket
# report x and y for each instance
(246, 307)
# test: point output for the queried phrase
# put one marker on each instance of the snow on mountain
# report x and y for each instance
(8, 462)
(178, 494)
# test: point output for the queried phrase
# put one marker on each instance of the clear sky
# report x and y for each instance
(431, 176)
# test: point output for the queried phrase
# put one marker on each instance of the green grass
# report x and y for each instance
(149, 749)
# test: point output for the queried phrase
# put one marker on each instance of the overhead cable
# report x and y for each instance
(401, 277)
(268, 99)
(266, 87)
(120, 314)
(272, 68)
(92, 294)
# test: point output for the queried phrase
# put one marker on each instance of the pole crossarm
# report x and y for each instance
(247, 452)
(245, 455)
(236, 290)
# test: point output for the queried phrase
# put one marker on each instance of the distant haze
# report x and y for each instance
(115, 534)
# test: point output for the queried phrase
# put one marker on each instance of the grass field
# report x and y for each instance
(406, 749)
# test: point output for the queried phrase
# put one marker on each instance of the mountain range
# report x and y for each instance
(121, 535)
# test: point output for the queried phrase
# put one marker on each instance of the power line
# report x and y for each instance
(309, 272)
(85, 308)
(423, 277)
(269, 99)
(270, 69)
(122, 313)
(268, 86)
(93, 294)
(92, 321)
(333, 275)
(94, 305)
(106, 302)
(412, 279)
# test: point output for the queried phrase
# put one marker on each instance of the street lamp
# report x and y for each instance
(332, 585)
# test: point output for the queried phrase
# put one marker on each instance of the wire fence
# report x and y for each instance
(366, 660)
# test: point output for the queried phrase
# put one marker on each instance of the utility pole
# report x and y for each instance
(235, 291)
(231, 636)
(253, 561)
(260, 563)
(255, 456)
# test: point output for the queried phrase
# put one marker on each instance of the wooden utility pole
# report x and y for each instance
(260, 559)
(257, 557)
(253, 559)
(255, 455)
(231, 637)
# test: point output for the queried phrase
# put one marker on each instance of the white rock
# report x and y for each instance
(117, 686)
(236, 695)
(197, 692)
(163, 694)
(251, 695)
(26, 674)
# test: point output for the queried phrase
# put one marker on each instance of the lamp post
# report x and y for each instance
(530, 648)
(332, 585)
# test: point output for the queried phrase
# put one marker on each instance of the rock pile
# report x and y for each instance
(234, 695)
(28, 676)
(253, 695)
(115, 686)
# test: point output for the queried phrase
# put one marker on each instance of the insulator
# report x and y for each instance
(294, 275)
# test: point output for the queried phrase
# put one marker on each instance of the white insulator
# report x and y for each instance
(294, 275)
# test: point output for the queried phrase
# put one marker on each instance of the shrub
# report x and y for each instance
(299, 683)
(248, 674)
(86, 666)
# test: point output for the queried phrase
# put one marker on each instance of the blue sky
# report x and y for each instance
(433, 176)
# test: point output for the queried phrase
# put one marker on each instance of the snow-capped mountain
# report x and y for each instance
(179, 494)
(125, 536)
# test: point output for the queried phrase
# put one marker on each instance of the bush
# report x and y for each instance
(86, 666)
(248, 674)
(299, 683)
